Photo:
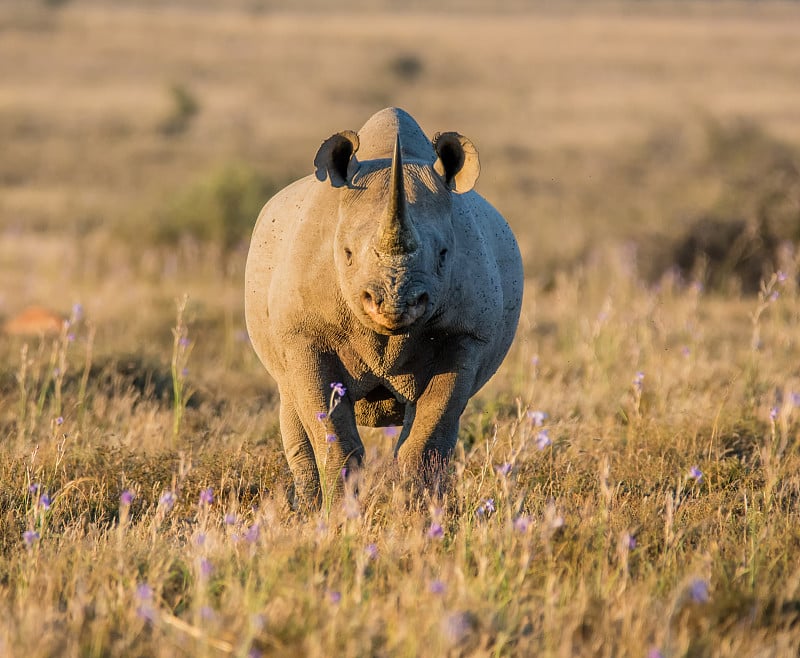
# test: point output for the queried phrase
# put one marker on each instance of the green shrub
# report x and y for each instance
(185, 107)
(220, 208)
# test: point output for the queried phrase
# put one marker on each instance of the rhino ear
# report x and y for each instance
(335, 159)
(458, 162)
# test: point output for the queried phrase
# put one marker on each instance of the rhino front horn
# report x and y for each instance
(396, 234)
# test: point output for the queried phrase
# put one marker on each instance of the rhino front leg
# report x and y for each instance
(300, 454)
(426, 445)
(332, 439)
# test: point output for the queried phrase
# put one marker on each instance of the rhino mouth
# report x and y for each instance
(396, 316)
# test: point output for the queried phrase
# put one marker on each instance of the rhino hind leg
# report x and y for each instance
(300, 455)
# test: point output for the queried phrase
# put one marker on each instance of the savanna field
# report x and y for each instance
(628, 484)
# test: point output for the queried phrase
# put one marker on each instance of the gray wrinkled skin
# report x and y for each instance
(384, 272)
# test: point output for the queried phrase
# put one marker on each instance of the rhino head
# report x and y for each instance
(394, 240)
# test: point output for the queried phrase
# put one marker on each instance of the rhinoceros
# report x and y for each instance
(380, 291)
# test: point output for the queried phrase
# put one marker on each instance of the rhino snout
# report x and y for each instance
(394, 313)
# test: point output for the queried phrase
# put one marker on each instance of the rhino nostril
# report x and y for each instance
(421, 300)
(371, 301)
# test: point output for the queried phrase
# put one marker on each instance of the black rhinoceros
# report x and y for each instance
(380, 291)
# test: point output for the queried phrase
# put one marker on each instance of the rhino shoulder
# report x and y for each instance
(287, 202)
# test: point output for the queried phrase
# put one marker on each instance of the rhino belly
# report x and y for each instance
(379, 409)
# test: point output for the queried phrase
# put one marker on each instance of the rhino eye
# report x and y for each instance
(442, 257)
(348, 256)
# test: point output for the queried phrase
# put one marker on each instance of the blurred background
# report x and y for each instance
(139, 138)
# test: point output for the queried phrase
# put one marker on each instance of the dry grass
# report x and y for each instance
(598, 128)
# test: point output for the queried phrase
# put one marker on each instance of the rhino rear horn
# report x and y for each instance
(336, 160)
(458, 162)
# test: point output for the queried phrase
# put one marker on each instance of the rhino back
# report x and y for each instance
(378, 136)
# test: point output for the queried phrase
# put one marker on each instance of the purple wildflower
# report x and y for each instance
(685, 350)
(183, 341)
(774, 296)
(77, 311)
(200, 539)
(126, 497)
(145, 608)
(30, 537)
(257, 622)
(391, 431)
(338, 389)
(144, 592)
(252, 533)
(372, 551)
(457, 626)
(147, 612)
(45, 501)
(230, 519)
(334, 597)
(488, 505)
(60, 420)
(543, 439)
(437, 587)
(321, 415)
(503, 469)
(206, 568)
(698, 590)
(207, 612)
(796, 399)
(695, 473)
(34, 488)
(629, 541)
(638, 381)
(773, 413)
(435, 531)
(654, 653)
(207, 496)
(330, 438)
(522, 524)
(781, 276)
(167, 500)
(537, 418)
